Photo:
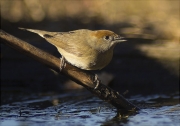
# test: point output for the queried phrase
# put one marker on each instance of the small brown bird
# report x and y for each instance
(85, 49)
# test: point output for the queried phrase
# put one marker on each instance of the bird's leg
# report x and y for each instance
(62, 63)
(96, 81)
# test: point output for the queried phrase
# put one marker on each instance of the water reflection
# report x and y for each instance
(84, 109)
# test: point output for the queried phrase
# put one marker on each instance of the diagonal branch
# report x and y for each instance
(82, 77)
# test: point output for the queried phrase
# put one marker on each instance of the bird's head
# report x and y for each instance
(103, 40)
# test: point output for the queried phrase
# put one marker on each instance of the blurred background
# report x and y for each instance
(147, 63)
(145, 68)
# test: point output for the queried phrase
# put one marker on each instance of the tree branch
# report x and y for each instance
(82, 77)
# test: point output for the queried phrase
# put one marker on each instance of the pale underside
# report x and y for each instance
(88, 62)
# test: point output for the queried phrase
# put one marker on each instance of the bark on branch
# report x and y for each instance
(82, 77)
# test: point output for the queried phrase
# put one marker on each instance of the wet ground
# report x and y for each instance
(79, 108)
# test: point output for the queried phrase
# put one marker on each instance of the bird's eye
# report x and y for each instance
(107, 37)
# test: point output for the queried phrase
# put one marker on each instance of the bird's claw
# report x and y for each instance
(96, 81)
(62, 63)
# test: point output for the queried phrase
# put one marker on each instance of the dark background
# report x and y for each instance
(148, 63)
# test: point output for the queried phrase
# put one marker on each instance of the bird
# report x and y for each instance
(83, 48)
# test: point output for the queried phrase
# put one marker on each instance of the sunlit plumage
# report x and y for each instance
(86, 49)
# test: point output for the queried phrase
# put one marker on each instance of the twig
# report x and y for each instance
(82, 77)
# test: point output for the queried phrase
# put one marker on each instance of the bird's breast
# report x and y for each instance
(94, 61)
(102, 60)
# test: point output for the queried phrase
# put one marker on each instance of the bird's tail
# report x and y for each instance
(39, 32)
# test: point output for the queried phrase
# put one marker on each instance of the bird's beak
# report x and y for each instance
(119, 38)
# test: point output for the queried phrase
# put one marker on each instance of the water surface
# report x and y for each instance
(79, 108)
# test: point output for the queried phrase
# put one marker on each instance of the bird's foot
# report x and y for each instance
(62, 63)
(96, 81)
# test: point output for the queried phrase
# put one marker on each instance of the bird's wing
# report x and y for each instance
(68, 41)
